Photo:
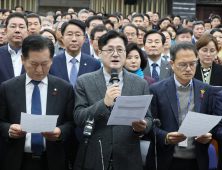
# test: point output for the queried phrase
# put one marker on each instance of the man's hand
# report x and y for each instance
(204, 139)
(175, 137)
(52, 136)
(111, 93)
(16, 132)
(139, 126)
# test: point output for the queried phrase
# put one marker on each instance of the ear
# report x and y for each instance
(62, 38)
(84, 38)
(23, 61)
(5, 30)
(172, 64)
(91, 42)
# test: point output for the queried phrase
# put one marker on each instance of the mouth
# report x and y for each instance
(133, 66)
(115, 61)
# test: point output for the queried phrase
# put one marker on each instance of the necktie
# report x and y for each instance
(73, 73)
(154, 73)
(165, 56)
(36, 138)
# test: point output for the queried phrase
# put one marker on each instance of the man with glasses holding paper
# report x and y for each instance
(116, 147)
(172, 99)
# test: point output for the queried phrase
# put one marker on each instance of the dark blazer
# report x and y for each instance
(165, 70)
(164, 107)
(6, 67)
(86, 47)
(144, 53)
(216, 74)
(149, 80)
(13, 102)
(90, 91)
(155, 27)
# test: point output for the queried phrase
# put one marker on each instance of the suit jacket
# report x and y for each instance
(57, 48)
(164, 107)
(155, 27)
(86, 47)
(216, 74)
(90, 91)
(165, 70)
(13, 102)
(6, 67)
(149, 80)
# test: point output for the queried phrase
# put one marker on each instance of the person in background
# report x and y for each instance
(49, 34)
(125, 21)
(42, 15)
(46, 23)
(215, 20)
(156, 18)
(99, 14)
(207, 24)
(71, 10)
(19, 8)
(217, 33)
(146, 21)
(184, 34)
(115, 20)
(59, 47)
(198, 31)
(172, 29)
(137, 19)
(66, 16)
(176, 21)
(142, 32)
(166, 51)
(51, 15)
(58, 11)
(92, 12)
(164, 22)
(136, 62)
(83, 15)
(34, 23)
(74, 15)
(3, 36)
(58, 17)
(189, 22)
(6, 13)
(219, 26)
(108, 24)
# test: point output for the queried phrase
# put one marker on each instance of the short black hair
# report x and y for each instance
(163, 19)
(113, 16)
(94, 12)
(190, 19)
(172, 26)
(134, 46)
(91, 18)
(142, 28)
(33, 15)
(98, 28)
(16, 15)
(165, 30)
(218, 26)
(66, 13)
(147, 16)
(110, 35)
(215, 30)
(215, 16)
(76, 22)
(19, 6)
(207, 21)
(137, 15)
(130, 25)
(177, 17)
(154, 32)
(107, 21)
(183, 45)
(58, 10)
(99, 13)
(6, 10)
(183, 31)
(126, 18)
(36, 42)
(2, 26)
(49, 31)
(57, 16)
(133, 12)
(156, 13)
(197, 23)
(118, 14)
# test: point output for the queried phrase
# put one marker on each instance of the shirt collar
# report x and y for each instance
(69, 57)
(96, 56)
(151, 62)
(59, 45)
(195, 39)
(180, 85)
(28, 80)
(167, 55)
(11, 49)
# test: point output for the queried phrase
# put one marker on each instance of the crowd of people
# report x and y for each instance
(60, 63)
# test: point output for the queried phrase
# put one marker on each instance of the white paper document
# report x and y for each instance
(128, 109)
(197, 124)
(38, 123)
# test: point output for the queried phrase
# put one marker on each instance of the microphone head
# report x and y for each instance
(157, 122)
(114, 73)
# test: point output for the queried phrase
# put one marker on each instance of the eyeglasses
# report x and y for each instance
(142, 35)
(77, 35)
(184, 66)
(132, 35)
(120, 51)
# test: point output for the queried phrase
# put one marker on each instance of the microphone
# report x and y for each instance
(114, 76)
(156, 123)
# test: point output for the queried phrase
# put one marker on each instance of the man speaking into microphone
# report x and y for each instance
(110, 147)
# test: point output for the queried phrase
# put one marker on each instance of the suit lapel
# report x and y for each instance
(51, 99)
(127, 84)
(197, 95)
(146, 71)
(163, 70)
(63, 67)
(198, 74)
(215, 78)
(83, 65)
(20, 92)
(171, 95)
(8, 61)
(100, 82)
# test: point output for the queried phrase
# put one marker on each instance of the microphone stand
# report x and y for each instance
(156, 123)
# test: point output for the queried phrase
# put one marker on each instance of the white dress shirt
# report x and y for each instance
(69, 63)
(43, 88)
(168, 57)
(157, 67)
(16, 60)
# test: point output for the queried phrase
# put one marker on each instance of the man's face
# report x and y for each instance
(164, 23)
(151, 16)
(58, 31)
(131, 35)
(37, 65)
(184, 37)
(18, 9)
(176, 21)
(167, 44)
(198, 31)
(70, 10)
(94, 43)
(115, 22)
(184, 57)
(109, 26)
(34, 26)
(83, 16)
(68, 17)
(93, 24)
(74, 16)
(125, 22)
(215, 22)
(140, 37)
(207, 26)
(138, 21)
(73, 38)
(3, 37)
(6, 14)
(58, 12)
(218, 36)
(16, 30)
(114, 59)
(46, 23)
(146, 22)
(155, 17)
(153, 45)
(189, 25)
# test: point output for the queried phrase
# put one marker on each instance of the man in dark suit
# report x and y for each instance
(36, 92)
(94, 97)
(156, 68)
(91, 22)
(172, 99)
(198, 31)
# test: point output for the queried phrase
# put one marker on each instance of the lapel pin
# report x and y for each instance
(202, 93)
(85, 64)
(54, 94)
(166, 68)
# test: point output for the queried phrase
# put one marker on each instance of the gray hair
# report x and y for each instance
(83, 11)
(47, 19)
(197, 23)
(50, 13)
(57, 23)
(183, 45)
